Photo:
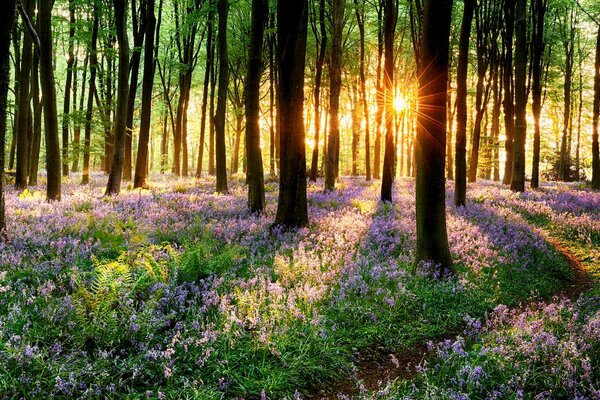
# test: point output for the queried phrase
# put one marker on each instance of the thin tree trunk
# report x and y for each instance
(460, 183)
(141, 164)
(255, 177)
(360, 18)
(77, 129)
(509, 124)
(223, 9)
(518, 176)
(380, 96)
(322, 47)
(207, 72)
(595, 118)
(113, 186)
(34, 156)
(388, 160)
(85, 177)
(67, 98)
(539, 10)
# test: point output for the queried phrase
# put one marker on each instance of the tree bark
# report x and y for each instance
(292, 21)
(379, 95)
(85, 177)
(67, 98)
(255, 176)
(7, 9)
(207, 73)
(360, 18)
(518, 176)
(432, 238)
(223, 10)
(538, 13)
(36, 139)
(460, 182)
(113, 186)
(335, 85)
(147, 83)
(321, 50)
(595, 119)
(509, 123)
(389, 26)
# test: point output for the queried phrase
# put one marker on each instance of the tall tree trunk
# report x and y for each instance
(34, 156)
(360, 19)
(538, 13)
(335, 85)
(272, 105)
(495, 163)
(21, 127)
(449, 153)
(432, 238)
(207, 71)
(148, 80)
(321, 50)
(356, 122)
(113, 186)
(389, 26)
(49, 102)
(568, 44)
(77, 129)
(223, 10)
(509, 123)
(595, 119)
(67, 98)
(85, 177)
(380, 96)
(7, 9)
(138, 17)
(518, 176)
(211, 126)
(17, 64)
(460, 183)
(256, 186)
(292, 21)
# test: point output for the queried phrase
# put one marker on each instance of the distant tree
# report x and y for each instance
(223, 10)
(141, 165)
(68, 86)
(460, 183)
(7, 10)
(256, 186)
(113, 187)
(509, 122)
(432, 237)
(321, 48)
(518, 176)
(335, 85)
(292, 24)
(360, 19)
(85, 176)
(596, 117)
(537, 46)
(389, 26)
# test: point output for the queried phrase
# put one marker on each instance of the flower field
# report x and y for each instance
(178, 292)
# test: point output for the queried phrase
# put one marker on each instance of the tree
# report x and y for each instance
(460, 183)
(538, 15)
(360, 19)
(113, 187)
(509, 123)
(389, 26)
(256, 186)
(292, 24)
(7, 9)
(210, 55)
(335, 85)
(432, 237)
(321, 43)
(49, 102)
(141, 164)
(518, 176)
(596, 116)
(85, 176)
(68, 85)
(223, 9)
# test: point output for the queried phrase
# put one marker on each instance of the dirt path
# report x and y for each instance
(378, 366)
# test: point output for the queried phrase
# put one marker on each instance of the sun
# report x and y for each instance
(399, 103)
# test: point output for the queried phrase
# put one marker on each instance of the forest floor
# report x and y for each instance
(178, 292)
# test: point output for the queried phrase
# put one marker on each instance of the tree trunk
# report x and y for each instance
(379, 95)
(509, 123)
(596, 117)
(223, 10)
(7, 9)
(211, 126)
(77, 130)
(256, 186)
(321, 50)
(34, 156)
(49, 102)
(292, 21)
(432, 238)
(389, 26)
(272, 105)
(360, 18)
(85, 177)
(113, 186)
(21, 127)
(460, 183)
(207, 72)
(335, 85)
(67, 98)
(141, 163)
(518, 176)
(538, 13)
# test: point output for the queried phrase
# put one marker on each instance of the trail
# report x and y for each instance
(378, 366)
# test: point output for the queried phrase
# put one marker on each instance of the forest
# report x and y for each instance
(300, 199)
